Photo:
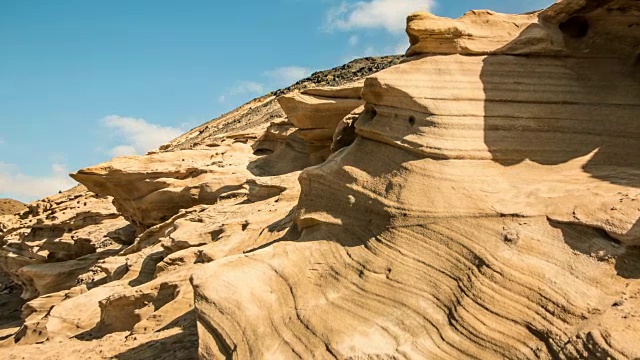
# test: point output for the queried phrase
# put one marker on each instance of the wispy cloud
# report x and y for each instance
(17, 185)
(243, 88)
(138, 136)
(287, 75)
(386, 14)
(123, 150)
(247, 87)
(353, 40)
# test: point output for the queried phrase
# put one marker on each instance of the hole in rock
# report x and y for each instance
(575, 27)
(262, 152)
(412, 120)
(215, 235)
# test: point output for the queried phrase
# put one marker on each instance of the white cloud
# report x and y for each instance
(123, 150)
(287, 75)
(138, 135)
(247, 87)
(353, 40)
(17, 185)
(388, 14)
(242, 88)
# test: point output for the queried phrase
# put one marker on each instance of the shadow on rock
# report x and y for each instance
(10, 305)
(183, 345)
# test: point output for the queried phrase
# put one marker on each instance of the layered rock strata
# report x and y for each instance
(183, 208)
(47, 246)
(487, 208)
(478, 200)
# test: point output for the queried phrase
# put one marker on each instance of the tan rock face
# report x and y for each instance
(315, 114)
(308, 111)
(478, 200)
(486, 210)
(345, 133)
(577, 28)
(10, 206)
(185, 208)
(150, 190)
(47, 246)
(480, 33)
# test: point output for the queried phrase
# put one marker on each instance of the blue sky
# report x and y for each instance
(83, 81)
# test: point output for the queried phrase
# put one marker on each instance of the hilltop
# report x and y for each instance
(10, 206)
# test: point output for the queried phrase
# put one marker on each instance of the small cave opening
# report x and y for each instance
(412, 120)
(575, 27)
(262, 152)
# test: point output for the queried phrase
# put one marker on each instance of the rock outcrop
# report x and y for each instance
(47, 246)
(159, 217)
(150, 190)
(487, 208)
(477, 200)
(10, 206)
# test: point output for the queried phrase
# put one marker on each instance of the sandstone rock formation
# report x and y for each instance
(478, 200)
(93, 270)
(10, 206)
(486, 210)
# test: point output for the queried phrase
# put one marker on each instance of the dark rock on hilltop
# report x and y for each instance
(354, 70)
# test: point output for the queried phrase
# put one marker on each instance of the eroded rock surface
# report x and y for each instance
(478, 200)
(487, 208)
(116, 258)
(10, 206)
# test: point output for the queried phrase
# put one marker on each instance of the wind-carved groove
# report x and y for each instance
(297, 313)
(226, 350)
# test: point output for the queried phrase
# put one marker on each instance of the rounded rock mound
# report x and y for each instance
(10, 206)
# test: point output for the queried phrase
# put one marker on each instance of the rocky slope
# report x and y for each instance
(477, 200)
(10, 206)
